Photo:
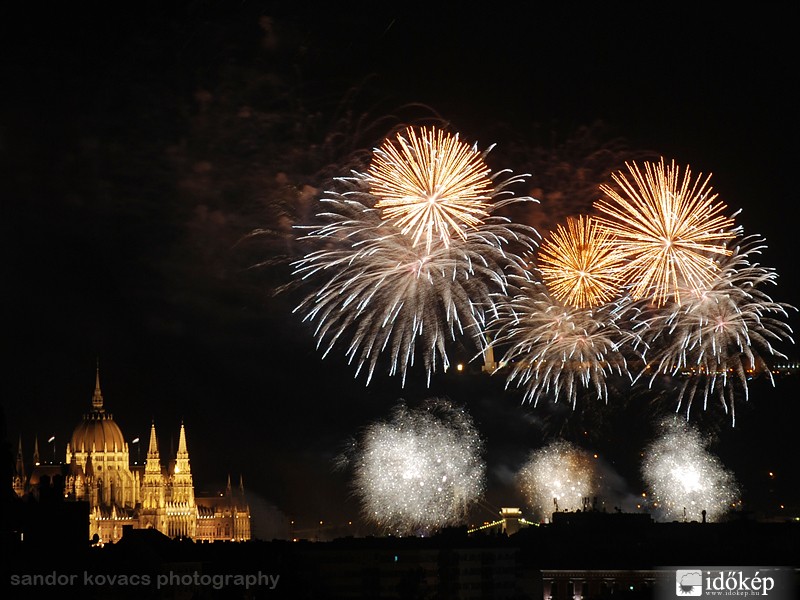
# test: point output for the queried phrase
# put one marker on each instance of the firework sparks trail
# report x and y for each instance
(559, 476)
(430, 185)
(379, 293)
(420, 470)
(717, 338)
(553, 350)
(669, 229)
(580, 264)
(684, 479)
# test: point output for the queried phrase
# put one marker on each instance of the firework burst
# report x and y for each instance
(420, 470)
(580, 264)
(379, 293)
(717, 338)
(553, 350)
(670, 229)
(684, 479)
(559, 476)
(430, 184)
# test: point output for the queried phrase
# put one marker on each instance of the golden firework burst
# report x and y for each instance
(580, 264)
(669, 227)
(430, 184)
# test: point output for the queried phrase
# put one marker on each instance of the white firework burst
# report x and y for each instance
(559, 476)
(685, 480)
(552, 350)
(420, 470)
(379, 293)
(719, 337)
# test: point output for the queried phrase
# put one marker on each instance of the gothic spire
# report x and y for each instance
(20, 460)
(182, 451)
(153, 447)
(153, 461)
(182, 457)
(97, 397)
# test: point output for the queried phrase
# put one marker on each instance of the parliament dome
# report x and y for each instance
(98, 430)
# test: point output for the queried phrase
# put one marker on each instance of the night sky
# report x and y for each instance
(142, 145)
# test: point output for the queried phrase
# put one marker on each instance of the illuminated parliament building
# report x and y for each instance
(97, 470)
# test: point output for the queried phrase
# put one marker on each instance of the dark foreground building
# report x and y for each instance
(579, 556)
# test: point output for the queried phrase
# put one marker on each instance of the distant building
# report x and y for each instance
(509, 523)
(97, 471)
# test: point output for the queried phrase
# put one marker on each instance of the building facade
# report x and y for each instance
(98, 470)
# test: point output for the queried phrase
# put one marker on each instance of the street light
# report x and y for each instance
(52, 440)
(136, 441)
